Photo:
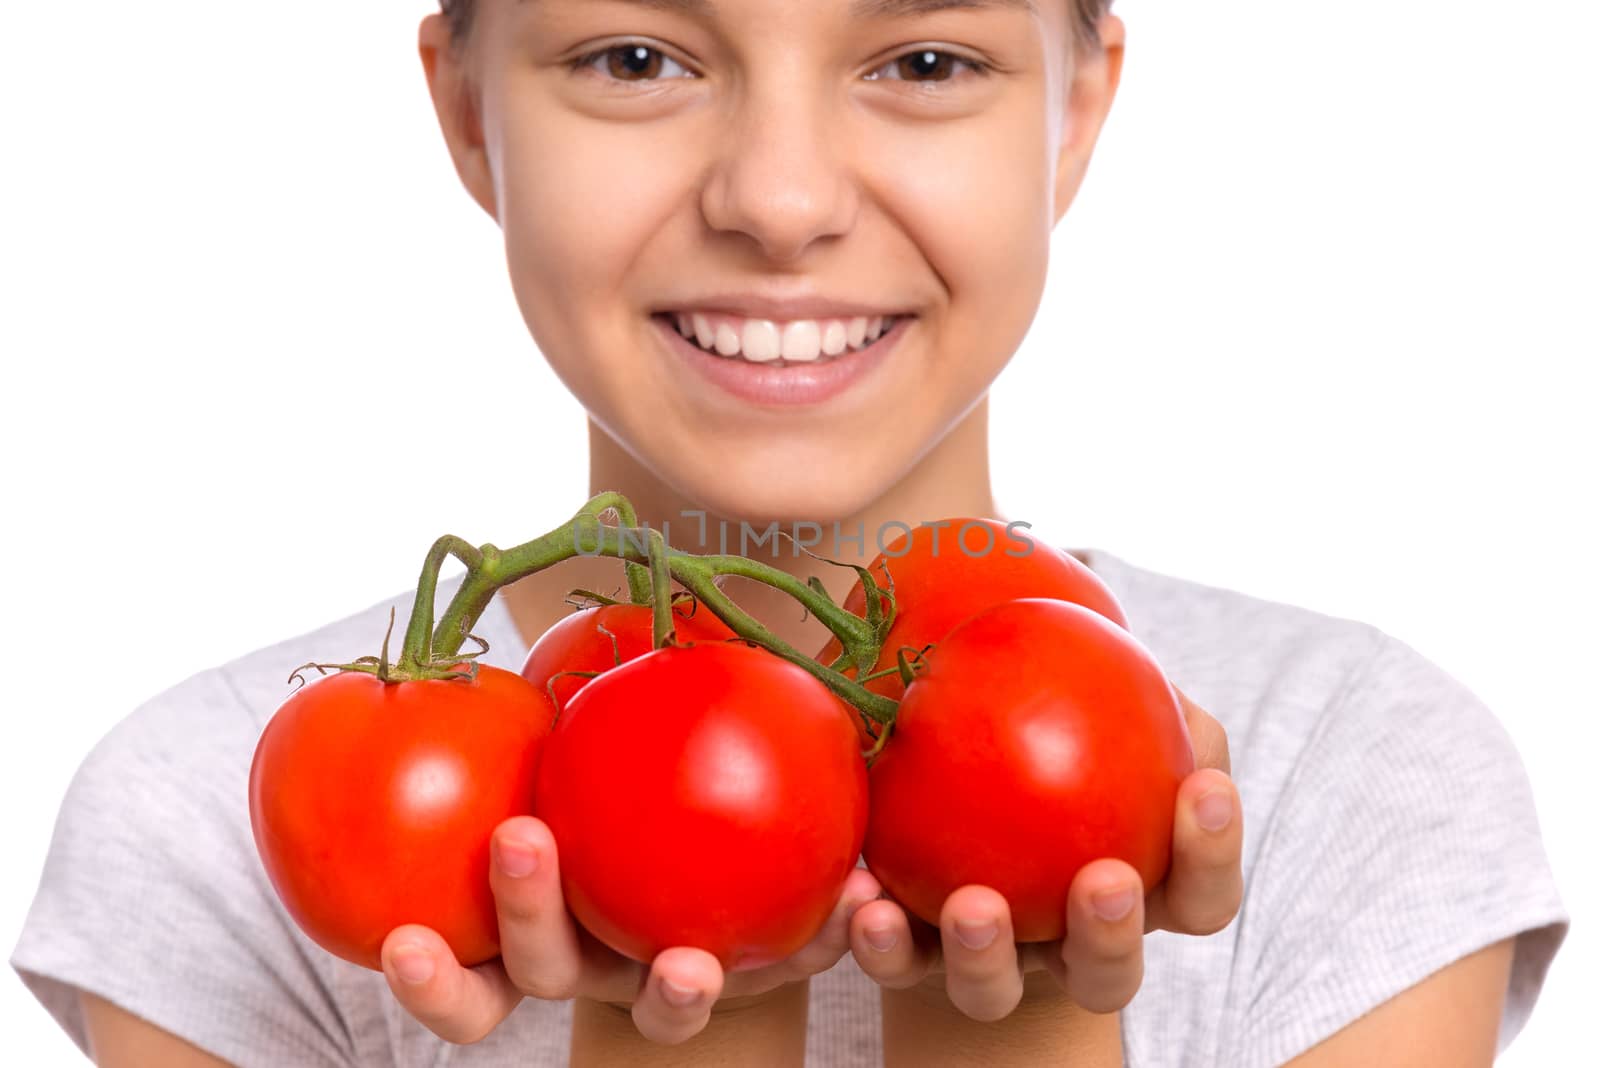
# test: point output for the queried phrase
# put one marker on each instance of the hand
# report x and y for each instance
(1100, 963)
(545, 954)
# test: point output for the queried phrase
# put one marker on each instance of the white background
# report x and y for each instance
(1322, 328)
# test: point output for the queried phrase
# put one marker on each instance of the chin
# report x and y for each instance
(818, 470)
(788, 497)
(819, 487)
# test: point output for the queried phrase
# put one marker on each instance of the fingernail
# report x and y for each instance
(976, 935)
(882, 939)
(1112, 905)
(1214, 810)
(413, 965)
(515, 859)
(681, 996)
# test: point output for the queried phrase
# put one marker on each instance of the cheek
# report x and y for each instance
(976, 200)
(576, 213)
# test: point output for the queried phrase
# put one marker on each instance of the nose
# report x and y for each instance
(780, 173)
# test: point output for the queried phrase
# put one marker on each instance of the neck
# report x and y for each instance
(951, 480)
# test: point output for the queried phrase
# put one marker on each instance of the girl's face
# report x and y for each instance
(775, 176)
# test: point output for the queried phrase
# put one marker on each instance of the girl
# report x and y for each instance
(779, 250)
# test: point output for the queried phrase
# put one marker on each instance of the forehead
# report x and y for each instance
(1055, 18)
(857, 9)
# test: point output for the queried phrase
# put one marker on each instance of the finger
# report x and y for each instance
(1206, 734)
(982, 975)
(457, 1004)
(1204, 885)
(539, 943)
(822, 952)
(882, 942)
(675, 1002)
(1103, 952)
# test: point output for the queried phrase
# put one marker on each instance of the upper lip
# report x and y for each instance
(781, 308)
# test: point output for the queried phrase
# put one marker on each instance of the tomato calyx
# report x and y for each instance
(434, 668)
(550, 687)
(905, 668)
(581, 598)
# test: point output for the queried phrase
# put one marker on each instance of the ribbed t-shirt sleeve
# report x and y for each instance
(153, 897)
(1405, 839)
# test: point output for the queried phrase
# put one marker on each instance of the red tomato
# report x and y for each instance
(372, 804)
(947, 574)
(708, 796)
(577, 642)
(1041, 737)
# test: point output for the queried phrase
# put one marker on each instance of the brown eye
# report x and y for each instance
(629, 62)
(927, 66)
(633, 62)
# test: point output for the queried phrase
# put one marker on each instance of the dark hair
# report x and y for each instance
(459, 12)
(1086, 13)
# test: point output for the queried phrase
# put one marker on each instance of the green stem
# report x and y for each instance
(638, 577)
(853, 631)
(494, 570)
(417, 648)
(660, 591)
(875, 706)
(585, 535)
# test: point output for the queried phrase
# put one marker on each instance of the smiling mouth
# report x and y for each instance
(801, 343)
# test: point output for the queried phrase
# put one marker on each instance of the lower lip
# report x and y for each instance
(794, 385)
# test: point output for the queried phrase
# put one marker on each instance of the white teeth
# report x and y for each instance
(760, 341)
(802, 341)
(835, 338)
(766, 341)
(702, 331)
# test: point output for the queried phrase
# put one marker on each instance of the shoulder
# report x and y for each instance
(1406, 839)
(1268, 670)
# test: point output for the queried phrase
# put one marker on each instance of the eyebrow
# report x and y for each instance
(869, 9)
(860, 9)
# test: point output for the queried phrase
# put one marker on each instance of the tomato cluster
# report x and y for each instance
(712, 794)
(1037, 734)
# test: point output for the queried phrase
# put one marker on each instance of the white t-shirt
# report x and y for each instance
(1389, 830)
